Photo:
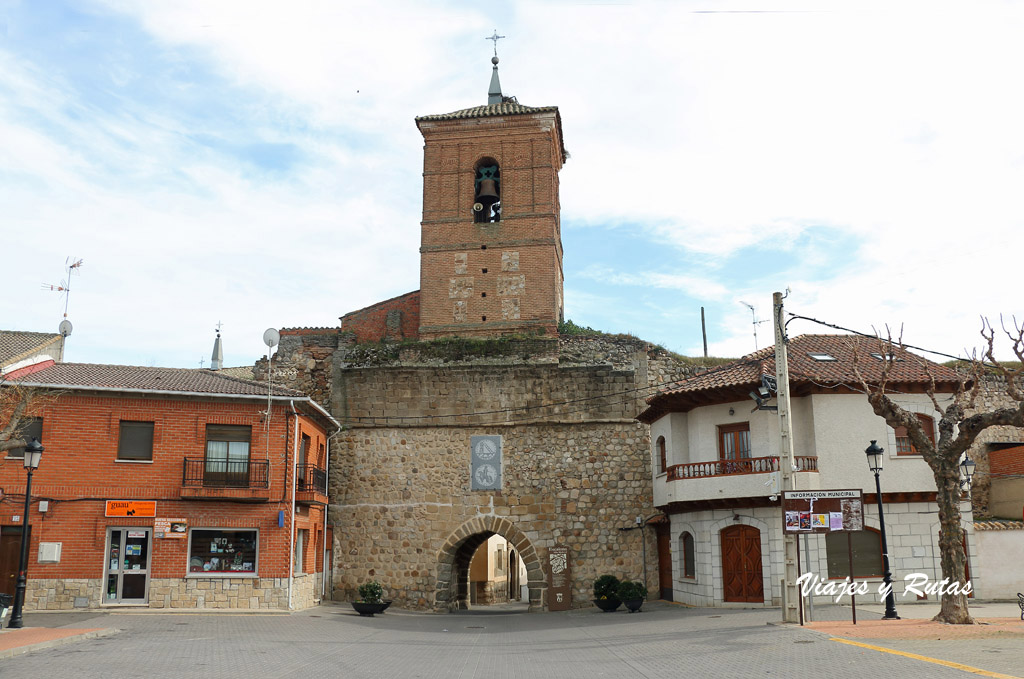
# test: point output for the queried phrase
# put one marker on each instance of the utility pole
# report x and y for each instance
(791, 553)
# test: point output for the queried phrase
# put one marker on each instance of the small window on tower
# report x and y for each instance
(487, 192)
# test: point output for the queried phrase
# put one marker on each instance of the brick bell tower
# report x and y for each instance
(491, 244)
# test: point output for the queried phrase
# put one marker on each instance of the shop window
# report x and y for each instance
(135, 441)
(687, 564)
(662, 456)
(31, 428)
(734, 441)
(867, 553)
(227, 455)
(216, 551)
(903, 443)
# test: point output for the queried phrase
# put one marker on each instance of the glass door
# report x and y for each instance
(127, 566)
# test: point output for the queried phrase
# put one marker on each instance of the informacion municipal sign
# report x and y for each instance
(822, 511)
(559, 579)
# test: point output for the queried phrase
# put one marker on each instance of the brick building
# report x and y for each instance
(466, 416)
(168, 488)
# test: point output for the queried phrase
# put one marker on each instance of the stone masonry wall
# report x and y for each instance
(991, 396)
(577, 466)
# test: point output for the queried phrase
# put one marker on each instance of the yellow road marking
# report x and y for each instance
(915, 656)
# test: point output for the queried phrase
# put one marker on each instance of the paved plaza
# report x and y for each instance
(664, 640)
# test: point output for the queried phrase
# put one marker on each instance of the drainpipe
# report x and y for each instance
(291, 544)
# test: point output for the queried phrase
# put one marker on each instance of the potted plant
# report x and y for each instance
(632, 594)
(371, 599)
(606, 593)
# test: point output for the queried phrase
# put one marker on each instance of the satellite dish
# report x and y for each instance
(64, 328)
(271, 337)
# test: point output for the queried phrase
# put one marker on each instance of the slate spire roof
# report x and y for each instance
(816, 363)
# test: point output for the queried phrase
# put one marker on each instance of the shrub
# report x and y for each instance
(631, 590)
(371, 592)
(605, 587)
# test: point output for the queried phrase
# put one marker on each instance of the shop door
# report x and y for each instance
(10, 554)
(741, 564)
(127, 566)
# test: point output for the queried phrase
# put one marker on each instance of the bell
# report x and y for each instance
(487, 192)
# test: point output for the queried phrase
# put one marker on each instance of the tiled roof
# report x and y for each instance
(14, 344)
(127, 377)
(505, 108)
(731, 381)
(999, 524)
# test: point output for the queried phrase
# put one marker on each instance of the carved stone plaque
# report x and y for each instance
(559, 579)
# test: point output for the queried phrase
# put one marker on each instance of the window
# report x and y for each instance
(903, 443)
(135, 441)
(734, 441)
(227, 455)
(867, 553)
(31, 428)
(821, 356)
(687, 561)
(222, 551)
(300, 552)
(487, 192)
(662, 456)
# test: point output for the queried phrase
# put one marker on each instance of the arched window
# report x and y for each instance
(903, 444)
(487, 192)
(867, 553)
(662, 456)
(687, 562)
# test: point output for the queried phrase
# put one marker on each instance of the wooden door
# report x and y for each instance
(661, 530)
(741, 564)
(10, 553)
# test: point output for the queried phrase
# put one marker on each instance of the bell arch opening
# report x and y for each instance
(453, 563)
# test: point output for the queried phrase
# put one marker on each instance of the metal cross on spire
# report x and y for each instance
(495, 38)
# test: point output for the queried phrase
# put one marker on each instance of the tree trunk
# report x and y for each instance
(953, 560)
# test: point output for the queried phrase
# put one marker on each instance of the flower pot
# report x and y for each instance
(633, 604)
(607, 605)
(368, 608)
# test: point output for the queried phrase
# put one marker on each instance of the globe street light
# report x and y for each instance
(33, 453)
(874, 453)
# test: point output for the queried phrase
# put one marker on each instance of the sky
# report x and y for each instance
(256, 164)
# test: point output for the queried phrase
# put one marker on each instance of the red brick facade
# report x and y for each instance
(80, 471)
(1006, 462)
(394, 319)
(485, 279)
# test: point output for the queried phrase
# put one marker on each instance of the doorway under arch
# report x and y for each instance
(454, 558)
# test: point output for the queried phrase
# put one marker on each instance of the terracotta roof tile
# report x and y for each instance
(505, 108)
(184, 380)
(15, 344)
(999, 524)
(734, 378)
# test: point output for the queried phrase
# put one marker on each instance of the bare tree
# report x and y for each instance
(957, 432)
(15, 402)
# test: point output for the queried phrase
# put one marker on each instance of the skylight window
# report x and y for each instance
(821, 356)
(887, 357)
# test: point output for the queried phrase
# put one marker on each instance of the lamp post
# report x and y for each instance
(967, 471)
(874, 453)
(33, 453)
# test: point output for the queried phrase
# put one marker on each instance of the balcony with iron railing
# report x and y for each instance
(310, 484)
(726, 479)
(238, 480)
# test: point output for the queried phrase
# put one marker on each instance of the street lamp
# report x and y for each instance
(967, 471)
(33, 453)
(874, 453)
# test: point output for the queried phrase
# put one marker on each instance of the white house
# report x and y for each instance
(716, 461)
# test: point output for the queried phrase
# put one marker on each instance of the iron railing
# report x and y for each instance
(310, 477)
(749, 465)
(226, 474)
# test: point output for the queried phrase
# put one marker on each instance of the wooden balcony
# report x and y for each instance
(750, 465)
(237, 481)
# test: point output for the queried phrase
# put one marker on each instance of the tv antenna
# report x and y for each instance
(756, 322)
(71, 267)
(271, 337)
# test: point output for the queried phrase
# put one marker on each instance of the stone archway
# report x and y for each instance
(454, 557)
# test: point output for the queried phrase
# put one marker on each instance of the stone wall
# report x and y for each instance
(576, 467)
(991, 396)
(203, 593)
